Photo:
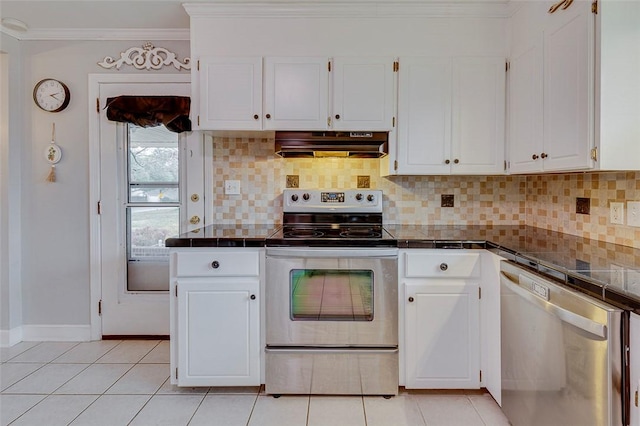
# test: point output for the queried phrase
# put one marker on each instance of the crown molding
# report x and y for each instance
(149, 34)
(350, 9)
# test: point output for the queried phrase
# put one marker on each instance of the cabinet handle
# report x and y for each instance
(268, 116)
(447, 161)
(194, 220)
(253, 297)
(444, 266)
(256, 116)
(337, 116)
(534, 157)
(543, 155)
(215, 264)
(411, 299)
(456, 161)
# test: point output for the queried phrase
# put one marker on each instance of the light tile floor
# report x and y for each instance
(116, 383)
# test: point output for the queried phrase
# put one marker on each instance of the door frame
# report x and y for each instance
(95, 252)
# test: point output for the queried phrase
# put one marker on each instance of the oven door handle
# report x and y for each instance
(320, 350)
(298, 252)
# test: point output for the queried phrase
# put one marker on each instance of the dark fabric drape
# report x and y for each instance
(150, 111)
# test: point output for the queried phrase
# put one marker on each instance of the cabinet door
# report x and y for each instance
(231, 93)
(442, 335)
(363, 90)
(218, 332)
(569, 87)
(296, 93)
(424, 116)
(478, 116)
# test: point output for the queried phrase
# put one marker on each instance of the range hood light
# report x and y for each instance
(330, 154)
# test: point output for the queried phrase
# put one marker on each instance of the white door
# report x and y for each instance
(139, 207)
(218, 332)
(442, 335)
(231, 93)
(424, 116)
(477, 137)
(296, 93)
(363, 93)
(569, 87)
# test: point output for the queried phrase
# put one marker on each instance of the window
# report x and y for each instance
(153, 205)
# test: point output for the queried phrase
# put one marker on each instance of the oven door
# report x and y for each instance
(329, 297)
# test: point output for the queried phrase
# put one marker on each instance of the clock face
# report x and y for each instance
(51, 95)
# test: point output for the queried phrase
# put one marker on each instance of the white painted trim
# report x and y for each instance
(148, 34)
(95, 80)
(349, 9)
(10, 337)
(56, 333)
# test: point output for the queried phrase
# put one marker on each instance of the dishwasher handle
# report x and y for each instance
(565, 315)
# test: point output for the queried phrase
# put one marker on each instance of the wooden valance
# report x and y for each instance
(150, 111)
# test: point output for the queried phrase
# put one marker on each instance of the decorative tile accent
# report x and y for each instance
(446, 200)
(364, 182)
(293, 181)
(583, 205)
(545, 201)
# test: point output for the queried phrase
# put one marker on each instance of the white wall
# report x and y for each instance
(55, 216)
(11, 149)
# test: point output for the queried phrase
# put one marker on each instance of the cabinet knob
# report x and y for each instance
(337, 116)
(534, 157)
(456, 161)
(256, 116)
(215, 264)
(194, 220)
(268, 116)
(447, 161)
(543, 155)
(253, 297)
(444, 266)
(411, 299)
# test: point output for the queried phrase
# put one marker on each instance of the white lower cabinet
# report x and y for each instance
(442, 335)
(215, 317)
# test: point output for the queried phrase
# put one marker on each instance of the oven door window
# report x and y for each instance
(331, 294)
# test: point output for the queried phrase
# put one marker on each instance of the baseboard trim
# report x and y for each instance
(10, 337)
(56, 333)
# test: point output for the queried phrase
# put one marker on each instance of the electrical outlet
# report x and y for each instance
(616, 211)
(617, 276)
(633, 213)
(232, 187)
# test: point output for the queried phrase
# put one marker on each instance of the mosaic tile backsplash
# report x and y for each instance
(547, 201)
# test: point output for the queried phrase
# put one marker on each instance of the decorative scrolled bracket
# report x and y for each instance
(146, 57)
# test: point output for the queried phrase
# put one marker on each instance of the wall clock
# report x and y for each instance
(51, 95)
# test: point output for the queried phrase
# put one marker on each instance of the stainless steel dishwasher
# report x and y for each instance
(561, 354)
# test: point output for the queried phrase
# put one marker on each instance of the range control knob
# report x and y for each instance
(359, 197)
(294, 197)
(306, 196)
(370, 198)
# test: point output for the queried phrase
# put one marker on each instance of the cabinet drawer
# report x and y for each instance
(210, 264)
(442, 265)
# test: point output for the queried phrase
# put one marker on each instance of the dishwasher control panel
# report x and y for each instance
(535, 287)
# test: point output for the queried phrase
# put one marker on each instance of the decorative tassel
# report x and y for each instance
(52, 174)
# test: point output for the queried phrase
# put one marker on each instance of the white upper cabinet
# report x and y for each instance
(573, 88)
(233, 87)
(296, 93)
(451, 115)
(363, 93)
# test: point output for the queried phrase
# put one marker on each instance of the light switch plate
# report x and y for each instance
(616, 211)
(633, 213)
(232, 187)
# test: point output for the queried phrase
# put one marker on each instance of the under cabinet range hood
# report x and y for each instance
(323, 144)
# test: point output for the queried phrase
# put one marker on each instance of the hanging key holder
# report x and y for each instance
(53, 154)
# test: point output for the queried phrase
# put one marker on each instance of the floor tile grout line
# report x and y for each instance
(20, 353)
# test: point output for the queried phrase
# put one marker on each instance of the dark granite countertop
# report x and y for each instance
(602, 269)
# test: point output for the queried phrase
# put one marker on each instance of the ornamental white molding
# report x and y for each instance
(100, 34)
(146, 57)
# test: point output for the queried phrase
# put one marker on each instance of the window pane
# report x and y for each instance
(331, 294)
(153, 194)
(148, 228)
(153, 155)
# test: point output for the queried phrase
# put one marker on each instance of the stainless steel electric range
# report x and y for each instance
(332, 296)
